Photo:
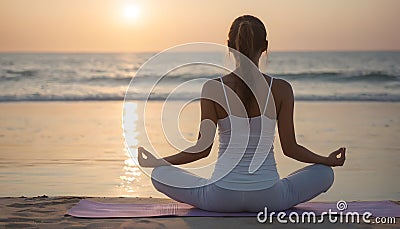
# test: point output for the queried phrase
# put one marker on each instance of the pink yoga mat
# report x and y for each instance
(91, 209)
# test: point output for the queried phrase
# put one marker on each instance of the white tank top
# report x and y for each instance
(246, 159)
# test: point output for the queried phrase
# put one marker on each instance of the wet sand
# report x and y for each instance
(77, 148)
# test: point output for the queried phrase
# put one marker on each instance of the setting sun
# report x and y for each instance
(131, 11)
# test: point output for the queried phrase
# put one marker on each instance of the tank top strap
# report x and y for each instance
(226, 97)
(269, 92)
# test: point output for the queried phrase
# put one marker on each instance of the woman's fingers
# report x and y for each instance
(141, 152)
(342, 158)
(338, 157)
(339, 153)
(145, 158)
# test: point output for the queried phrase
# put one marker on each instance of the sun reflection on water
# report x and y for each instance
(132, 176)
(131, 179)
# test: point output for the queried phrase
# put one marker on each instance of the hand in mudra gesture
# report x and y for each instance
(337, 157)
(147, 159)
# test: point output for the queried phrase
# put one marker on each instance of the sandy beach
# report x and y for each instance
(49, 212)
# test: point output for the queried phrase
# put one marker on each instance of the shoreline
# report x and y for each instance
(136, 198)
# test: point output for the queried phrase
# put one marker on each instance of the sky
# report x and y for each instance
(155, 25)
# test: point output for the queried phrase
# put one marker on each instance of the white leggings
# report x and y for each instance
(298, 187)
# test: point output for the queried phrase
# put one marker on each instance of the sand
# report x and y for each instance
(49, 212)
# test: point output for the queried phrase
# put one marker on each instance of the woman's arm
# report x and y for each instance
(287, 136)
(204, 143)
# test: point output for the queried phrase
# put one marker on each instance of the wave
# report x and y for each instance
(318, 77)
(23, 72)
(13, 75)
(162, 97)
(377, 76)
(48, 98)
(107, 79)
(351, 98)
(121, 79)
(302, 76)
(125, 80)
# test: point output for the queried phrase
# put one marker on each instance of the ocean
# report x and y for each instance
(315, 76)
(61, 119)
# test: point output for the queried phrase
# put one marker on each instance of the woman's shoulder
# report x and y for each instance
(279, 83)
(211, 85)
(281, 89)
(212, 81)
(215, 81)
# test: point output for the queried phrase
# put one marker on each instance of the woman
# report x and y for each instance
(239, 190)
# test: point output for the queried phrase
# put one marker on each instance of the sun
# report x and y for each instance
(131, 12)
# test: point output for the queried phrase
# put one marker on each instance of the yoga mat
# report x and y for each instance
(91, 209)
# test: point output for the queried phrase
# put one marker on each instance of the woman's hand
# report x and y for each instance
(337, 158)
(149, 160)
